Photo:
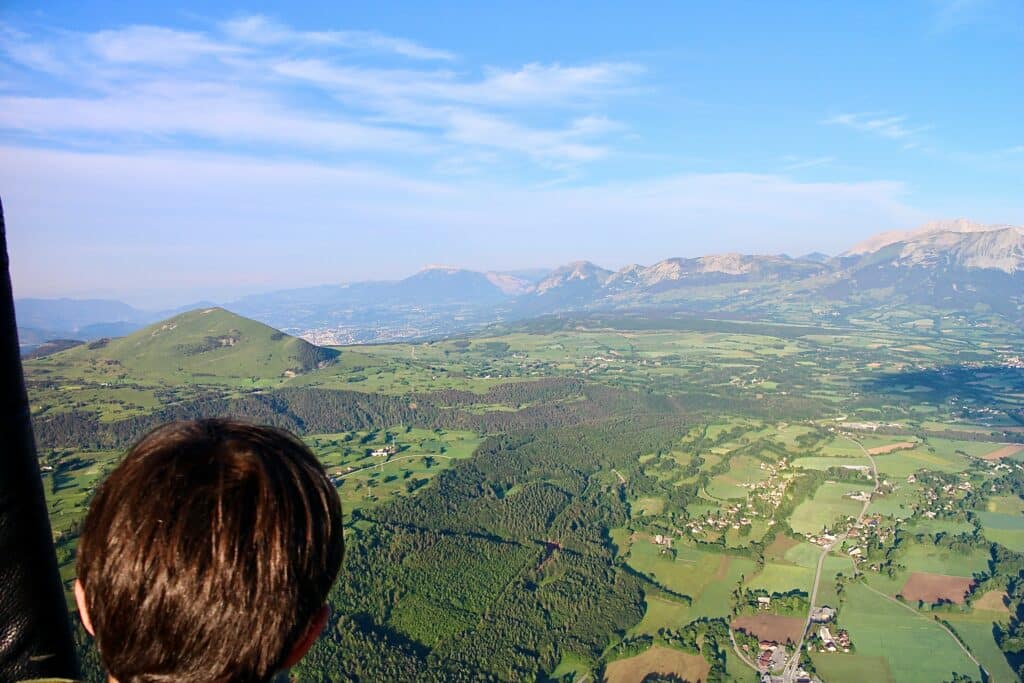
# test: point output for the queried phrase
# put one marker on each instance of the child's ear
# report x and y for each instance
(83, 610)
(316, 626)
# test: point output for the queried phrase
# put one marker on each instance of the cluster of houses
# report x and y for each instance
(384, 451)
(868, 530)
(942, 498)
(731, 516)
(768, 492)
(830, 643)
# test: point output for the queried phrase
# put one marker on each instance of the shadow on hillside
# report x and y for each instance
(983, 384)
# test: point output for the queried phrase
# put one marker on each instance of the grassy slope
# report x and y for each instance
(206, 346)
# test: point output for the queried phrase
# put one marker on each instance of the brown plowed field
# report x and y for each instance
(770, 627)
(931, 588)
(1004, 452)
(662, 660)
(889, 448)
(993, 601)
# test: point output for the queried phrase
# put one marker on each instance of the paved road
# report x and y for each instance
(789, 671)
(739, 652)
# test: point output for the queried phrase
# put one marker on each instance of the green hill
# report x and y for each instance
(209, 343)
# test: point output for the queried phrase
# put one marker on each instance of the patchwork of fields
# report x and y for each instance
(556, 503)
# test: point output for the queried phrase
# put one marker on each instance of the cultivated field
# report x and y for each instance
(934, 588)
(1006, 451)
(770, 627)
(659, 660)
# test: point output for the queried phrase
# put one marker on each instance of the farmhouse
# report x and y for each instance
(843, 639)
(826, 639)
(764, 602)
(823, 614)
(390, 449)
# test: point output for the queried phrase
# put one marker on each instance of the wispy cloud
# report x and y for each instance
(260, 30)
(248, 81)
(532, 85)
(886, 126)
(156, 45)
(793, 163)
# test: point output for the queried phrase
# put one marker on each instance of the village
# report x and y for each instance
(764, 498)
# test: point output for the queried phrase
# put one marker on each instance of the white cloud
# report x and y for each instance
(156, 45)
(793, 163)
(260, 30)
(472, 128)
(19, 47)
(237, 85)
(892, 127)
(211, 112)
(532, 85)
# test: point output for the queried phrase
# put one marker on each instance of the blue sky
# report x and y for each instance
(161, 154)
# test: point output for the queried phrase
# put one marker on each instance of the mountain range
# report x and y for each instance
(948, 266)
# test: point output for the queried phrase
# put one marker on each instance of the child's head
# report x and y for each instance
(208, 554)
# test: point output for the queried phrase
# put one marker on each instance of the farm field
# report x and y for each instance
(829, 505)
(661, 613)
(933, 588)
(770, 627)
(660, 660)
(779, 578)
(976, 631)
(523, 480)
(743, 472)
(912, 646)
(836, 666)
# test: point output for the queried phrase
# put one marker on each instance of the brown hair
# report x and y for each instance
(207, 553)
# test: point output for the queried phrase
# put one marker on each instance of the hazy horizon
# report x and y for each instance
(161, 156)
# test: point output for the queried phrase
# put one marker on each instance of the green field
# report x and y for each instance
(913, 646)
(662, 613)
(743, 471)
(929, 558)
(976, 631)
(782, 577)
(689, 573)
(902, 463)
(366, 481)
(1005, 528)
(836, 666)
(829, 505)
